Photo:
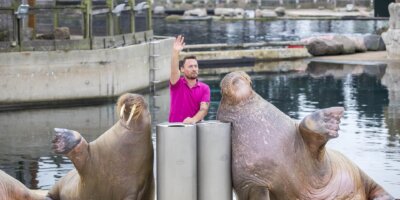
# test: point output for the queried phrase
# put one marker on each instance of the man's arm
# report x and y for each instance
(176, 49)
(199, 115)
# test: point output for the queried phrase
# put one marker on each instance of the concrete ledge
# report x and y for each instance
(257, 54)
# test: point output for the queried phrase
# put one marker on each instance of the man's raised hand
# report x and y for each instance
(179, 43)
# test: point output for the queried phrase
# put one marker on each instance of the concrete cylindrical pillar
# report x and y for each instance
(176, 161)
(214, 160)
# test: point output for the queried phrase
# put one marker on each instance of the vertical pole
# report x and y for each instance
(15, 21)
(32, 18)
(214, 160)
(176, 161)
(149, 20)
(87, 12)
(131, 3)
(19, 29)
(55, 18)
(110, 18)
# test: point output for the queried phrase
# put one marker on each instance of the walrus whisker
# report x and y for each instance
(121, 112)
(133, 108)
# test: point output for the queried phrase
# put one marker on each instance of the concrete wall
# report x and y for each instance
(258, 54)
(60, 75)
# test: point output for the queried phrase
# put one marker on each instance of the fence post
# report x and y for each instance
(32, 18)
(87, 13)
(149, 21)
(131, 3)
(110, 18)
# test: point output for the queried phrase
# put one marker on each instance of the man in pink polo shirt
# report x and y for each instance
(190, 98)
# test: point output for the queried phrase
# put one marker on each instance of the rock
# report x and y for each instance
(320, 47)
(359, 43)
(265, 13)
(350, 8)
(198, 12)
(62, 33)
(159, 10)
(381, 30)
(349, 46)
(392, 36)
(392, 42)
(280, 11)
(374, 43)
(250, 14)
(228, 12)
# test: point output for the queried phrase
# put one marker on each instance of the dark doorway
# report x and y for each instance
(381, 8)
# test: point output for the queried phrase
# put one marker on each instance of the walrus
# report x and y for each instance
(12, 189)
(117, 165)
(275, 157)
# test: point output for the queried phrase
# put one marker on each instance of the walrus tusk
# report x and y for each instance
(133, 108)
(121, 112)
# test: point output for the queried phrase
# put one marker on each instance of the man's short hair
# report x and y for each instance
(182, 62)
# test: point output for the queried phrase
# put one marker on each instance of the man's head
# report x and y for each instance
(189, 67)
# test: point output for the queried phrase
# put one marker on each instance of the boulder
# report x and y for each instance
(265, 13)
(159, 10)
(392, 42)
(394, 20)
(391, 38)
(280, 11)
(62, 33)
(322, 46)
(229, 12)
(349, 46)
(198, 12)
(374, 43)
(359, 43)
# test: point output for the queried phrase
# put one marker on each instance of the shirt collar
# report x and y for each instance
(195, 85)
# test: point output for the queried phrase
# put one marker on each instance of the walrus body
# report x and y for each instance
(12, 189)
(273, 157)
(117, 165)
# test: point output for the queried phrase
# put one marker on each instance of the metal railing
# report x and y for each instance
(31, 27)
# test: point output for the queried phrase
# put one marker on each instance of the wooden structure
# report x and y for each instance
(94, 24)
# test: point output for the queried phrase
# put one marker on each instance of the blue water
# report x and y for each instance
(242, 31)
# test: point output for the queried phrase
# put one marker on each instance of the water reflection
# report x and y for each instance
(255, 31)
(369, 135)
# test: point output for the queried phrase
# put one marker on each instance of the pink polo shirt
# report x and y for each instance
(185, 101)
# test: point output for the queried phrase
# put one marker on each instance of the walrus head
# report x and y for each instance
(132, 109)
(236, 87)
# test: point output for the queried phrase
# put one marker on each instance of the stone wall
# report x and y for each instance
(392, 36)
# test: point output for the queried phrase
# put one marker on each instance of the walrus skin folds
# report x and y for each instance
(117, 165)
(274, 157)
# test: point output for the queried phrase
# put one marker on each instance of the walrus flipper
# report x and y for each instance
(71, 144)
(320, 126)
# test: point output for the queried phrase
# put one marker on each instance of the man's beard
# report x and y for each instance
(192, 76)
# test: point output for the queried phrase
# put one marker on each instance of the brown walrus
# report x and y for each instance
(12, 189)
(117, 165)
(274, 157)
